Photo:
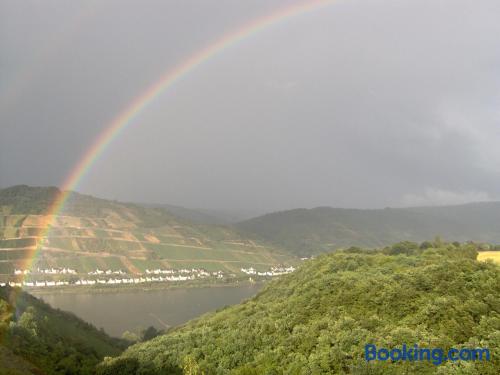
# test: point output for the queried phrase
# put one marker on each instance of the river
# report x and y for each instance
(133, 310)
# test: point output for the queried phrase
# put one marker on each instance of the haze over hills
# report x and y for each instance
(208, 216)
(311, 231)
(93, 233)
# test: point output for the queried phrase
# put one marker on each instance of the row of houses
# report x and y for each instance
(282, 270)
(106, 272)
(199, 272)
(21, 272)
(35, 283)
(48, 271)
(111, 281)
(172, 271)
(66, 271)
(275, 271)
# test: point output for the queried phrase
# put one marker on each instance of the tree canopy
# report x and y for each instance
(318, 319)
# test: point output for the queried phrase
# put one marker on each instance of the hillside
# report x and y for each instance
(312, 231)
(207, 216)
(95, 234)
(319, 319)
(36, 339)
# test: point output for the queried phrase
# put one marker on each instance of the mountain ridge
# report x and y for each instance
(307, 232)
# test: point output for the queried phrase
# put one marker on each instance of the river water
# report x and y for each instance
(133, 310)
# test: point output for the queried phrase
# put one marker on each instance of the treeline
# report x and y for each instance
(319, 319)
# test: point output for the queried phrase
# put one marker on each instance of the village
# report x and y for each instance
(48, 271)
(275, 271)
(119, 277)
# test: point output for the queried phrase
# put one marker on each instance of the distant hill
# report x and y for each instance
(312, 231)
(318, 319)
(37, 339)
(94, 233)
(206, 216)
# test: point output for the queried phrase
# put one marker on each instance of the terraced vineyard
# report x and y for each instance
(94, 234)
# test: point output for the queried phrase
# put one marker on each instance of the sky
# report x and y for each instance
(364, 103)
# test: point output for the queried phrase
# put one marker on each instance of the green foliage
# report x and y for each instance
(150, 333)
(122, 366)
(191, 367)
(23, 199)
(406, 247)
(54, 341)
(131, 337)
(318, 319)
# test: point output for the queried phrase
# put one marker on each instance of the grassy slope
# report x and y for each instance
(312, 231)
(97, 233)
(318, 319)
(35, 336)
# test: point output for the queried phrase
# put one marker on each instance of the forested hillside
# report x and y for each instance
(92, 233)
(313, 231)
(34, 338)
(319, 319)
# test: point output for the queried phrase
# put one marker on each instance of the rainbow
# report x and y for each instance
(141, 102)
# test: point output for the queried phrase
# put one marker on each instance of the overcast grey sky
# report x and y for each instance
(366, 103)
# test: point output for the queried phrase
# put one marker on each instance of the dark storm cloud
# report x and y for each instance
(362, 104)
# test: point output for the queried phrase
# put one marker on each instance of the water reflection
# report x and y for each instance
(118, 312)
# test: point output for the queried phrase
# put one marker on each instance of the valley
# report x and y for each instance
(124, 267)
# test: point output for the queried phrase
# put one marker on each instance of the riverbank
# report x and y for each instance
(103, 289)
